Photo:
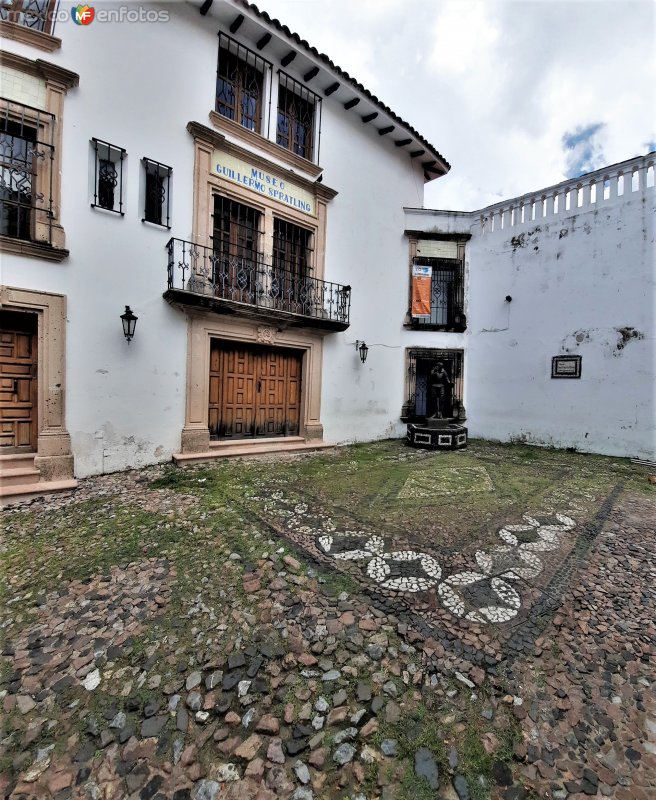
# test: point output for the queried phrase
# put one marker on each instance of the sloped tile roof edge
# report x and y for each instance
(344, 75)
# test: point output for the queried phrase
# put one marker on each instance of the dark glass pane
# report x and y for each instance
(107, 181)
(282, 133)
(225, 98)
(155, 195)
(35, 14)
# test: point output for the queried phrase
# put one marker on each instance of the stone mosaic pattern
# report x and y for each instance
(424, 485)
(206, 673)
(451, 596)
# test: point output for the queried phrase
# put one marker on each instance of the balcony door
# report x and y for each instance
(235, 244)
(254, 391)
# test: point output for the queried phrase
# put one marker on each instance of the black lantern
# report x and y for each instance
(363, 350)
(129, 321)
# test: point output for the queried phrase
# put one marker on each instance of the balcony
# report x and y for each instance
(251, 288)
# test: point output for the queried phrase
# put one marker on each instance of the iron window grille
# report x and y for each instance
(292, 250)
(108, 176)
(292, 260)
(420, 399)
(36, 14)
(299, 116)
(447, 295)
(157, 193)
(27, 152)
(240, 83)
(235, 242)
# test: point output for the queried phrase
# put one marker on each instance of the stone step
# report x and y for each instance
(244, 450)
(247, 443)
(10, 495)
(18, 476)
(16, 461)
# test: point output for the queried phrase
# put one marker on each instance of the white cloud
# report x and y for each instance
(464, 36)
(496, 84)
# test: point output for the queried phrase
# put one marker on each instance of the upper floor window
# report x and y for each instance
(240, 84)
(157, 191)
(35, 14)
(298, 113)
(292, 252)
(108, 176)
(445, 307)
(237, 258)
(26, 152)
(446, 297)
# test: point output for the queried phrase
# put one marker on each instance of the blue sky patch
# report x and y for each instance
(583, 151)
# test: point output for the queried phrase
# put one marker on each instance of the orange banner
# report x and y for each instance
(421, 291)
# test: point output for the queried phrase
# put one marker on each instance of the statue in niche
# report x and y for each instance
(439, 383)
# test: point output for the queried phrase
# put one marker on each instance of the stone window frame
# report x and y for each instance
(205, 326)
(42, 40)
(411, 356)
(459, 265)
(57, 82)
(206, 185)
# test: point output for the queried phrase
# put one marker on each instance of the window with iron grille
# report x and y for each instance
(108, 176)
(235, 243)
(240, 84)
(157, 189)
(292, 262)
(35, 14)
(426, 396)
(299, 111)
(292, 251)
(447, 295)
(26, 154)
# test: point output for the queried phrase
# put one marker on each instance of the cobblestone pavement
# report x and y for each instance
(374, 622)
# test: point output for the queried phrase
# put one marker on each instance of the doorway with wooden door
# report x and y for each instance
(18, 382)
(255, 391)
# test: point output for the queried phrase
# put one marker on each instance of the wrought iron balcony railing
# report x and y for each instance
(249, 285)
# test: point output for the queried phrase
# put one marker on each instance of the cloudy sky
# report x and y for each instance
(515, 94)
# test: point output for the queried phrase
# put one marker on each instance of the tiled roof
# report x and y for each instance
(345, 77)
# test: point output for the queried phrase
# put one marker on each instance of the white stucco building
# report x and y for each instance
(255, 207)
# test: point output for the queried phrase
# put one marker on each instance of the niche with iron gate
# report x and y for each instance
(421, 401)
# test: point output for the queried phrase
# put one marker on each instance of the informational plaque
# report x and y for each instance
(566, 367)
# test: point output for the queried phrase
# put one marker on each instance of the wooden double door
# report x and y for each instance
(18, 382)
(254, 391)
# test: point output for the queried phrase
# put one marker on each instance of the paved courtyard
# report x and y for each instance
(369, 622)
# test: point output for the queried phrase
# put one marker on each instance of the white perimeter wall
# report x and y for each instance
(577, 279)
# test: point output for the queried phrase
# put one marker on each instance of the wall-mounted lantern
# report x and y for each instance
(129, 321)
(362, 348)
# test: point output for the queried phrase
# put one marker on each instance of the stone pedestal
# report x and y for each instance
(437, 434)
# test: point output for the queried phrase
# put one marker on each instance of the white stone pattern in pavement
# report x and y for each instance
(511, 561)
